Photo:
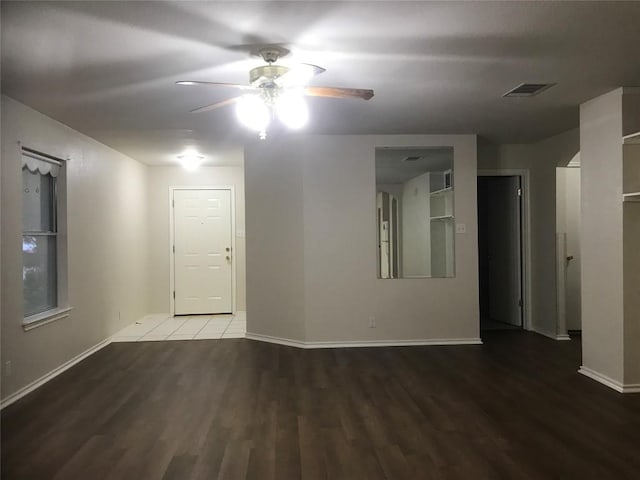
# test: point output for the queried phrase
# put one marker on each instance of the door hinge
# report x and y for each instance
(174, 294)
(519, 192)
(174, 249)
(520, 303)
(173, 203)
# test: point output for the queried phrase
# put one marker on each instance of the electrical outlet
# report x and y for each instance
(7, 368)
(372, 322)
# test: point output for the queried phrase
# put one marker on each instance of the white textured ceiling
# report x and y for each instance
(108, 68)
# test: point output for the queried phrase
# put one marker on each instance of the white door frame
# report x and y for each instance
(172, 303)
(525, 235)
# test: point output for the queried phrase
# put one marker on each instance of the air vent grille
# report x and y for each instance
(528, 89)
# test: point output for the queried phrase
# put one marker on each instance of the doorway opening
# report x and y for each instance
(568, 248)
(501, 259)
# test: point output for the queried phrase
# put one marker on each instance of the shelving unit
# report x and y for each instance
(631, 171)
(631, 197)
(442, 223)
(631, 139)
(442, 191)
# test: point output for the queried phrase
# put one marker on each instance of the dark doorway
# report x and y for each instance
(500, 252)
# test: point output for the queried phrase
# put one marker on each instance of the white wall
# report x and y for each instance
(275, 238)
(540, 160)
(107, 243)
(602, 221)
(610, 238)
(160, 179)
(311, 245)
(416, 227)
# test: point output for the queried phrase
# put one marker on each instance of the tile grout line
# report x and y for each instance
(205, 324)
(227, 327)
(179, 326)
(162, 323)
(194, 335)
(144, 335)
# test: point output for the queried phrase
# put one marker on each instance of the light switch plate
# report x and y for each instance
(461, 228)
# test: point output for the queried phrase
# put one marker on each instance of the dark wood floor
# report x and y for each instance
(514, 408)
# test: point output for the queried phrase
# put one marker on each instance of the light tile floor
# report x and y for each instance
(196, 327)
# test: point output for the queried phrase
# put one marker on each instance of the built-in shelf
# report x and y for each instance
(442, 191)
(631, 197)
(442, 217)
(632, 138)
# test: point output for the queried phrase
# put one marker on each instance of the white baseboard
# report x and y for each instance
(14, 397)
(610, 382)
(365, 343)
(280, 341)
(553, 336)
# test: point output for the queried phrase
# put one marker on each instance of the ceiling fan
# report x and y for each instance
(276, 90)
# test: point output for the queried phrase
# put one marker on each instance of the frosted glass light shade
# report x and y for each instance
(190, 160)
(292, 110)
(252, 112)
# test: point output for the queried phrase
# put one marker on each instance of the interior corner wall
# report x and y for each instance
(602, 235)
(106, 239)
(161, 178)
(540, 160)
(631, 238)
(311, 245)
(275, 238)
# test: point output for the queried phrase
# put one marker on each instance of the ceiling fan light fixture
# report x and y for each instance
(298, 76)
(276, 91)
(190, 160)
(292, 110)
(253, 113)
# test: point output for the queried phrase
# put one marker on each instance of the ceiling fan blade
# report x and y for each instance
(299, 75)
(338, 92)
(216, 105)
(216, 84)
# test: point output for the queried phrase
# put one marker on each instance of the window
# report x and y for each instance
(41, 272)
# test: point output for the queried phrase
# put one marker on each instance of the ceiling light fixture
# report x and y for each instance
(276, 91)
(292, 109)
(253, 113)
(256, 111)
(190, 160)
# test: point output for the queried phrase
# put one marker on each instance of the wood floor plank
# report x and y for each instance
(514, 407)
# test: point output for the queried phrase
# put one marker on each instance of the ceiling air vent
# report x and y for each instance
(410, 159)
(528, 89)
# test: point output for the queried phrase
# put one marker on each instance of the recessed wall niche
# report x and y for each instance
(415, 215)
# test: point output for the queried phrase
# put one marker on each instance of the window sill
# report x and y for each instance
(35, 321)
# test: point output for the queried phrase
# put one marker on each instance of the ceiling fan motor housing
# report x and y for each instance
(266, 74)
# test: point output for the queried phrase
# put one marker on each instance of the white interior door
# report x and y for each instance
(202, 251)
